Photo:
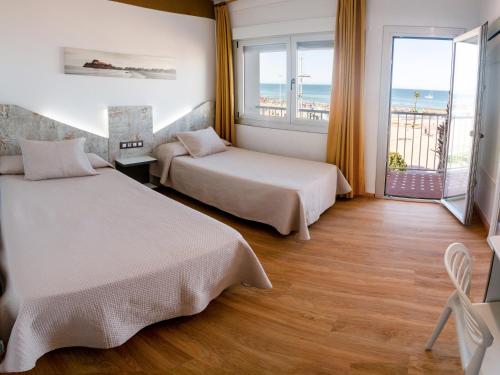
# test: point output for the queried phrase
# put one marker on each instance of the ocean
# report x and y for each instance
(312, 93)
(429, 99)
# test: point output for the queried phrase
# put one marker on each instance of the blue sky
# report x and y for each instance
(422, 64)
(418, 64)
(317, 63)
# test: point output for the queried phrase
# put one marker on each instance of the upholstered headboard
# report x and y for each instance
(18, 122)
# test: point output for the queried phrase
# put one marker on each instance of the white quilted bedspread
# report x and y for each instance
(289, 194)
(90, 261)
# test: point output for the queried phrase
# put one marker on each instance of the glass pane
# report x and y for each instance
(462, 124)
(314, 79)
(265, 72)
(421, 75)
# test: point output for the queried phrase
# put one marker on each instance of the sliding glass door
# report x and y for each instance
(464, 122)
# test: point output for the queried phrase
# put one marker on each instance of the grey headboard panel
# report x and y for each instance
(130, 123)
(17, 122)
(135, 123)
(201, 117)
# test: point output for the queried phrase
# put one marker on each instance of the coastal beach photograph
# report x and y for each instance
(120, 65)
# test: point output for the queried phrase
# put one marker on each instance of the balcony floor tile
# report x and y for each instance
(414, 184)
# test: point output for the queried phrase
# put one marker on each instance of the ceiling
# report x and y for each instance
(199, 8)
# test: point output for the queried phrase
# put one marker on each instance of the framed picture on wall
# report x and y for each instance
(120, 65)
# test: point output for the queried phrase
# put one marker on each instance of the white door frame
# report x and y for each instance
(385, 87)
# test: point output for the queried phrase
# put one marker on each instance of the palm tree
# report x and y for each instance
(417, 95)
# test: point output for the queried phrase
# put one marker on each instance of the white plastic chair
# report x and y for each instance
(477, 324)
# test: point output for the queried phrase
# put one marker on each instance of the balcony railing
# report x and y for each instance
(304, 113)
(418, 138)
(314, 114)
(271, 111)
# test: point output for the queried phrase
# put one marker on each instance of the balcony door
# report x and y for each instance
(419, 97)
(464, 122)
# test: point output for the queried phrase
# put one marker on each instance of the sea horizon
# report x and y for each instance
(320, 94)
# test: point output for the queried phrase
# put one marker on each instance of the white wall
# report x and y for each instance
(310, 146)
(32, 33)
(438, 13)
(489, 10)
(490, 146)
(271, 16)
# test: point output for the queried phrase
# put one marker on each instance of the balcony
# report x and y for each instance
(303, 113)
(416, 163)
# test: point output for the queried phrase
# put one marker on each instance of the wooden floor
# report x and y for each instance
(361, 297)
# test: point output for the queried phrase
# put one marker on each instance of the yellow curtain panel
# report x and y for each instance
(345, 147)
(224, 95)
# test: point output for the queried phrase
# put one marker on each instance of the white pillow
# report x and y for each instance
(13, 164)
(43, 160)
(97, 162)
(201, 143)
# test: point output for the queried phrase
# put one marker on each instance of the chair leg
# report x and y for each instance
(441, 323)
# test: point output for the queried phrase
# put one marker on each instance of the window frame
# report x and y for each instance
(253, 119)
(385, 82)
(291, 121)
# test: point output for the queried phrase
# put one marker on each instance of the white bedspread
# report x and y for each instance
(287, 193)
(91, 260)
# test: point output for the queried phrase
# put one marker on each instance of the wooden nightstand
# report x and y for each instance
(136, 167)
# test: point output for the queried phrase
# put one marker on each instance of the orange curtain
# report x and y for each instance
(224, 94)
(345, 146)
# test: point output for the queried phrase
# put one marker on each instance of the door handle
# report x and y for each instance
(481, 135)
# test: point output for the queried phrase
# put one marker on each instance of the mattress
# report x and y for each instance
(90, 261)
(289, 194)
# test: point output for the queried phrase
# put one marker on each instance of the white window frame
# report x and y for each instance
(290, 122)
(389, 33)
(240, 67)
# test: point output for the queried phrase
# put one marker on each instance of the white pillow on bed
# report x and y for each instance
(201, 143)
(44, 160)
(97, 162)
(13, 164)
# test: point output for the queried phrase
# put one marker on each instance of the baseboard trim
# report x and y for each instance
(366, 195)
(482, 216)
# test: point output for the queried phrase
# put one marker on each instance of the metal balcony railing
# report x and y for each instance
(303, 113)
(418, 138)
(271, 111)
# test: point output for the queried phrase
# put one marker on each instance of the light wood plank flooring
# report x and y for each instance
(360, 298)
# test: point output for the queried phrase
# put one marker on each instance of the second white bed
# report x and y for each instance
(287, 193)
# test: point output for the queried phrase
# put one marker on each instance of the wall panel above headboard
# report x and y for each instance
(200, 117)
(16, 122)
(130, 123)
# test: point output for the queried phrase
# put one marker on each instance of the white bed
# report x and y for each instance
(90, 261)
(289, 194)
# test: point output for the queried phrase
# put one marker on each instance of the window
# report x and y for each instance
(285, 82)
(266, 81)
